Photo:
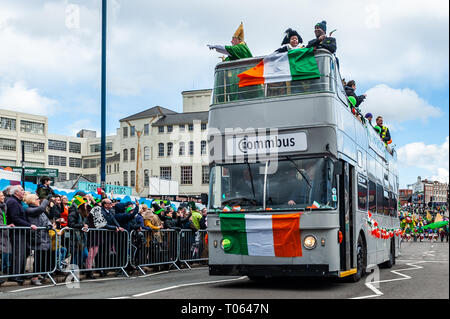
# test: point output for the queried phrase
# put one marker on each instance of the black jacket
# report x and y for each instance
(15, 213)
(328, 43)
(351, 92)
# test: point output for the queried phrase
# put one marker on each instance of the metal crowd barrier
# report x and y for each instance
(192, 246)
(94, 249)
(27, 252)
(152, 248)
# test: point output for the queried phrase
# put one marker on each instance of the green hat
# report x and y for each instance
(129, 209)
(78, 200)
(352, 101)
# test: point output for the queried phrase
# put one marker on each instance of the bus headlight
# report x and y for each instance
(225, 244)
(309, 242)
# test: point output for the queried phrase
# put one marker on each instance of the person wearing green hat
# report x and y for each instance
(321, 40)
(350, 91)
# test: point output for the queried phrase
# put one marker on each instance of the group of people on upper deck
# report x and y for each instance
(292, 40)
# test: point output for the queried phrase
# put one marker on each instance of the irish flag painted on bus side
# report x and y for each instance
(261, 235)
(298, 64)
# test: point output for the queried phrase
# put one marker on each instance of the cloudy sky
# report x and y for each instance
(397, 51)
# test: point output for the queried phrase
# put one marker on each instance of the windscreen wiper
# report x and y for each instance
(251, 178)
(298, 170)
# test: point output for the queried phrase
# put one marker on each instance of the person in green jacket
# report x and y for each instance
(238, 48)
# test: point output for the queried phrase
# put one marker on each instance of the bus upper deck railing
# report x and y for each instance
(226, 87)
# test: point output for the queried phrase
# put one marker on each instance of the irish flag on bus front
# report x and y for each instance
(298, 64)
(261, 235)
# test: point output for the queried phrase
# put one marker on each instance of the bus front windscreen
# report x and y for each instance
(289, 184)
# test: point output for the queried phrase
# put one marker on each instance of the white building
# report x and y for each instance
(156, 142)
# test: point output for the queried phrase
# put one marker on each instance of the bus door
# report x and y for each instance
(346, 215)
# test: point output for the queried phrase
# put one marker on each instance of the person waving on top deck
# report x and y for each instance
(291, 41)
(238, 49)
(322, 41)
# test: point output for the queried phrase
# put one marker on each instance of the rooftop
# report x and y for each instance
(182, 118)
(154, 111)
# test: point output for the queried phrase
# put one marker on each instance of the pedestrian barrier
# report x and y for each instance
(27, 252)
(92, 250)
(193, 246)
(152, 248)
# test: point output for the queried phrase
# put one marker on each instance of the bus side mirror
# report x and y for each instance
(338, 168)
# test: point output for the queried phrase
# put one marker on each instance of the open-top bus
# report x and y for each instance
(295, 147)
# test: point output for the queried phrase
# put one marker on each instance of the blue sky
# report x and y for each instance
(397, 51)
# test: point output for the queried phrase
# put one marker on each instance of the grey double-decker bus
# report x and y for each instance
(296, 147)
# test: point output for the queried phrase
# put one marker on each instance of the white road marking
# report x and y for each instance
(178, 286)
(397, 272)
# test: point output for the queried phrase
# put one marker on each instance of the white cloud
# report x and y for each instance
(20, 98)
(432, 158)
(398, 105)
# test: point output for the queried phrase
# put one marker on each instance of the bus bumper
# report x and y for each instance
(273, 270)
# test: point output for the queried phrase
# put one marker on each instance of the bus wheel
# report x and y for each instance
(391, 261)
(361, 261)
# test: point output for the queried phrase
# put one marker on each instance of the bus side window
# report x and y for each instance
(362, 193)
(372, 197)
(380, 204)
(386, 203)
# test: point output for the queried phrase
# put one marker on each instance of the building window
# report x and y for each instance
(203, 147)
(31, 127)
(203, 126)
(74, 147)
(132, 154)
(160, 129)
(34, 164)
(62, 177)
(7, 144)
(169, 128)
(57, 160)
(91, 162)
(165, 172)
(74, 162)
(186, 175)
(125, 178)
(169, 149)
(33, 147)
(125, 131)
(125, 155)
(5, 162)
(205, 174)
(7, 123)
(146, 129)
(96, 148)
(191, 148)
(160, 149)
(182, 149)
(181, 128)
(132, 131)
(146, 153)
(73, 176)
(132, 178)
(146, 178)
(191, 127)
(57, 145)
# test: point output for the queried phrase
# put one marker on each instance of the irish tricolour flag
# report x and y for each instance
(261, 235)
(298, 64)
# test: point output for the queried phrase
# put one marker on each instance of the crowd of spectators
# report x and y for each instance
(48, 214)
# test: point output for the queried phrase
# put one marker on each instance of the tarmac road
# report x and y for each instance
(421, 272)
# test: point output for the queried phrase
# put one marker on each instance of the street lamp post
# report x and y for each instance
(103, 101)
